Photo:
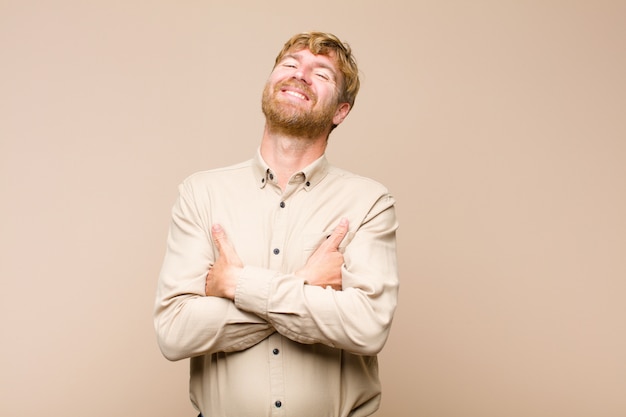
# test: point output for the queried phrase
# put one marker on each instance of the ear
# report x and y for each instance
(342, 111)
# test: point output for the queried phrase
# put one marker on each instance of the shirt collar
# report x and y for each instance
(311, 175)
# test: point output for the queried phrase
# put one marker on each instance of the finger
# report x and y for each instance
(219, 237)
(338, 234)
(217, 232)
(224, 247)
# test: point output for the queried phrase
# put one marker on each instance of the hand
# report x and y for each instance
(221, 280)
(323, 268)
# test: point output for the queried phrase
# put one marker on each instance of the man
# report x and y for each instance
(280, 278)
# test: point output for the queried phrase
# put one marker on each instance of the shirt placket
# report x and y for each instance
(275, 346)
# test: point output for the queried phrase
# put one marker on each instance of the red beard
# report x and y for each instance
(292, 119)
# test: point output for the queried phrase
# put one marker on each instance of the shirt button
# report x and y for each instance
(275, 351)
(278, 404)
(308, 184)
(276, 251)
(271, 176)
(282, 204)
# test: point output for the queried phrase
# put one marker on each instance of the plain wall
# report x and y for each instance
(500, 127)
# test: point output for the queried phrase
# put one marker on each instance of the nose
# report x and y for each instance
(302, 74)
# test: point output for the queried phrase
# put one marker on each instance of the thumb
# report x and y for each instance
(225, 248)
(338, 234)
(219, 237)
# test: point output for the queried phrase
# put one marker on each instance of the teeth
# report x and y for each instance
(296, 94)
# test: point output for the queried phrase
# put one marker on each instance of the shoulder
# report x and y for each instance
(364, 194)
(218, 182)
(217, 175)
(356, 181)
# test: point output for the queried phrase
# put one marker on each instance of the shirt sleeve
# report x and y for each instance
(187, 322)
(357, 318)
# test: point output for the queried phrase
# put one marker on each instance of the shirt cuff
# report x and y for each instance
(252, 292)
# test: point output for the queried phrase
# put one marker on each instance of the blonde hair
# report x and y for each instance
(323, 43)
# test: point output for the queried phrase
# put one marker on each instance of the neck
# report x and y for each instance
(287, 155)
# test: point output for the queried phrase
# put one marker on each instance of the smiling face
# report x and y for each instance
(301, 95)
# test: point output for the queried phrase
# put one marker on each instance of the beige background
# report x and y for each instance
(499, 125)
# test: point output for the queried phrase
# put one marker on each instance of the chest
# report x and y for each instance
(278, 230)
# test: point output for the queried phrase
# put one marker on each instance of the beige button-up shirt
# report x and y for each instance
(282, 347)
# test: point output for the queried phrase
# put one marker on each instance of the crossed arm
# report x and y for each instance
(323, 268)
(344, 299)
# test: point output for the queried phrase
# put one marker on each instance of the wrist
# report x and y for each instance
(231, 288)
